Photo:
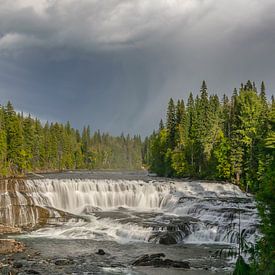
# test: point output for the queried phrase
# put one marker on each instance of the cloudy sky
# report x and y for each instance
(114, 64)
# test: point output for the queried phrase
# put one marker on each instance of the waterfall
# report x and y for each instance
(129, 210)
(74, 195)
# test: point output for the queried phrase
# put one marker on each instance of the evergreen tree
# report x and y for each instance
(28, 138)
(3, 143)
(161, 125)
(262, 93)
(15, 152)
(171, 124)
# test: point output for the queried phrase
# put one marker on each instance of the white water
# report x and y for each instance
(75, 195)
(134, 210)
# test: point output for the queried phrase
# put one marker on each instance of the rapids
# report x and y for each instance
(130, 210)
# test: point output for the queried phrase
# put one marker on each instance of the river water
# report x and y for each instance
(130, 214)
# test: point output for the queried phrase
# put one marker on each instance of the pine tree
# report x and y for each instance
(3, 143)
(15, 150)
(246, 129)
(161, 125)
(180, 124)
(190, 134)
(171, 124)
(262, 93)
(248, 86)
(180, 111)
(28, 137)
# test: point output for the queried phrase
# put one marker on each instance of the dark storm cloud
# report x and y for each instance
(114, 64)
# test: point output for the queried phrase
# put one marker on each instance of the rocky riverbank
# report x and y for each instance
(8, 246)
(5, 229)
(32, 262)
(44, 257)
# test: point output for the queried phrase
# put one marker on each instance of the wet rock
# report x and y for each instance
(168, 238)
(156, 260)
(10, 246)
(174, 232)
(63, 262)
(147, 258)
(17, 264)
(32, 271)
(176, 264)
(100, 252)
(6, 270)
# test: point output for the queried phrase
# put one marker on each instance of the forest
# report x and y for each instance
(232, 140)
(28, 145)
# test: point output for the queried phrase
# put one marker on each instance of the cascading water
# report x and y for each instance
(132, 210)
(75, 195)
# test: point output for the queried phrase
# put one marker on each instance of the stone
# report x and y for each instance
(31, 271)
(168, 238)
(100, 252)
(156, 260)
(17, 264)
(63, 262)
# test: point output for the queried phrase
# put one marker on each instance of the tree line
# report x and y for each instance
(26, 144)
(232, 139)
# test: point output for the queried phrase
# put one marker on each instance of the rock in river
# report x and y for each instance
(63, 262)
(157, 261)
(100, 252)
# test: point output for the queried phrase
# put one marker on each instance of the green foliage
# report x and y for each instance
(27, 145)
(232, 141)
(178, 163)
(222, 153)
(242, 268)
(171, 123)
(208, 139)
(266, 246)
(157, 149)
(15, 150)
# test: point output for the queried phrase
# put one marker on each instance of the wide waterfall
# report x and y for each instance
(77, 195)
(124, 211)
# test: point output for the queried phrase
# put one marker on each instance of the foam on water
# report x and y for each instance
(74, 195)
(194, 212)
(98, 229)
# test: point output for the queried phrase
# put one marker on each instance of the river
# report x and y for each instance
(128, 214)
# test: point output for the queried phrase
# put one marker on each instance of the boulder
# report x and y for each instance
(31, 271)
(63, 262)
(145, 259)
(156, 260)
(168, 238)
(100, 252)
(17, 264)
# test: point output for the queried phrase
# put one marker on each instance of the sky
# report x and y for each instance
(114, 64)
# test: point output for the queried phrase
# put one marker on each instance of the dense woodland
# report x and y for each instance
(232, 139)
(28, 145)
